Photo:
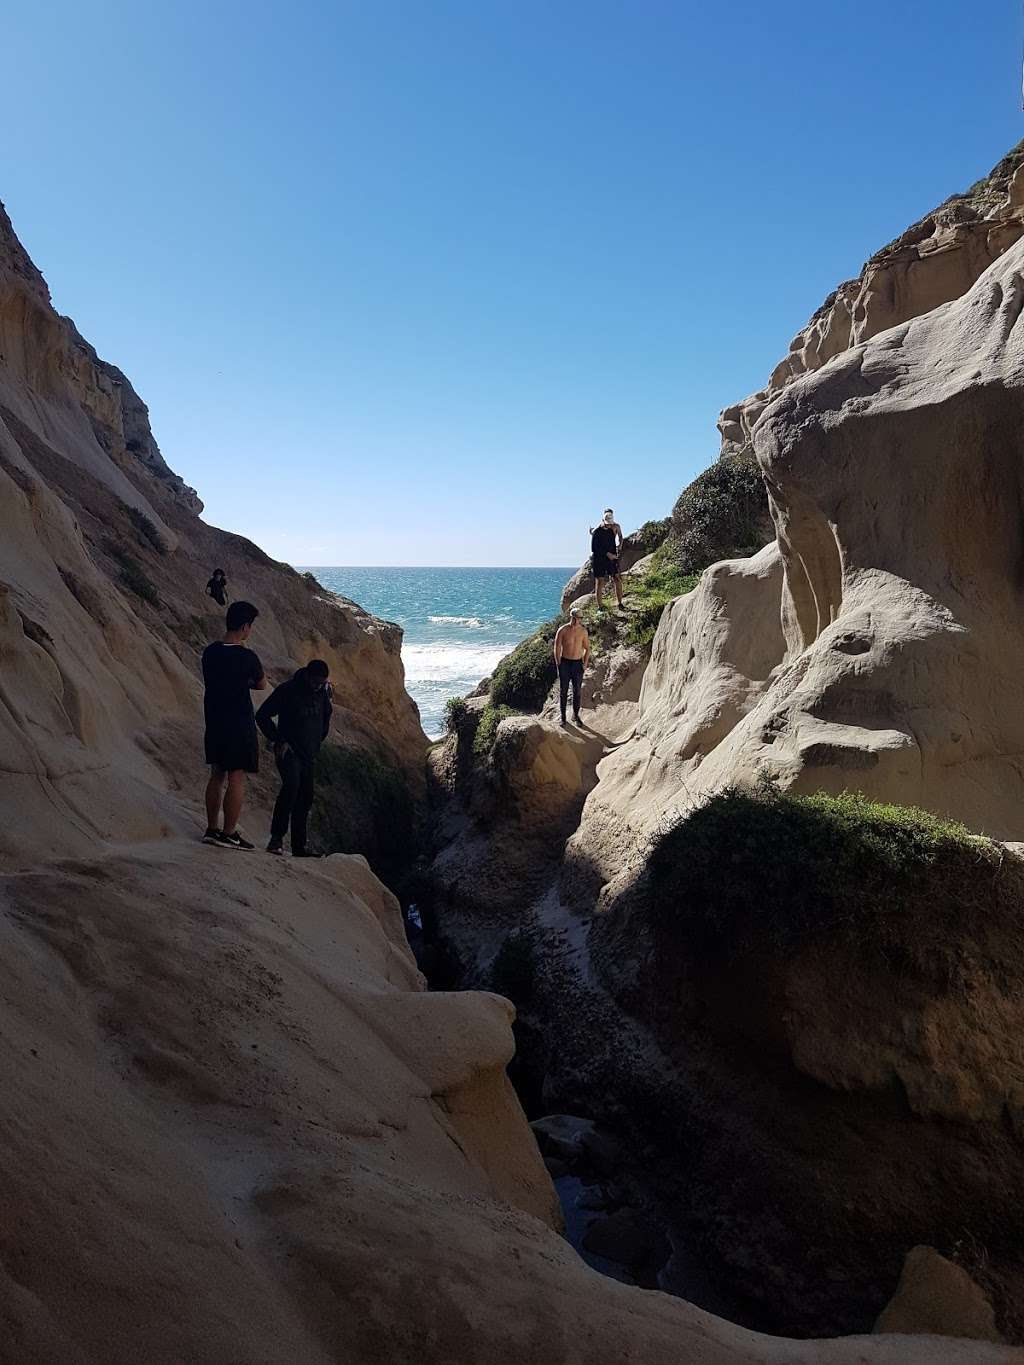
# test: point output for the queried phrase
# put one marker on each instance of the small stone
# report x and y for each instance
(561, 1134)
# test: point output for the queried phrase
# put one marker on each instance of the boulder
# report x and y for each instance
(561, 1135)
(935, 1296)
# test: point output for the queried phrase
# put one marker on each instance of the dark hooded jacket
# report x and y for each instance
(303, 715)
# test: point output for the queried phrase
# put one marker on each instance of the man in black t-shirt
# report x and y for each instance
(605, 548)
(231, 672)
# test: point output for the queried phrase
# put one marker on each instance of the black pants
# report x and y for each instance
(570, 671)
(294, 799)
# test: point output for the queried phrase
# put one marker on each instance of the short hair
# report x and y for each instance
(316, 668)
(219, 571)
(240, 614)
(610, 509)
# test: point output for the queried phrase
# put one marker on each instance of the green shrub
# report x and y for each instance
(487, 730)
(749, 870)
(523, 678)
(456, 712)
(363, 805)
(132, 574)
(651, 535)
(145, 529)
(723, 514)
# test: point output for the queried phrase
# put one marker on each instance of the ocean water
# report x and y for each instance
(458, 622)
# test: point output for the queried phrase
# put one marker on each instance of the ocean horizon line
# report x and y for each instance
(496, 568)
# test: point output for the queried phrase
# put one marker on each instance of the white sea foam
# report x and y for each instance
(451, 662)
(473, 621)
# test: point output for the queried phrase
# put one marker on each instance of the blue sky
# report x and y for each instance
(414, 283)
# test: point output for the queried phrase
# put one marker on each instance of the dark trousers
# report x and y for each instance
(570, 671)
(294, 799)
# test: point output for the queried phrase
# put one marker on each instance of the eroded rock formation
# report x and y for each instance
(103, 565)
(934, 261)
(235, 1126)
(803, 1095)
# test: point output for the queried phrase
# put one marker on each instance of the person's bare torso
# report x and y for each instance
(574, 641)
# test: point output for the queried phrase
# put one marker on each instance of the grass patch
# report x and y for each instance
(754, 870)
(363, 805)
(651, 593)
(132, 574)
(487, 730)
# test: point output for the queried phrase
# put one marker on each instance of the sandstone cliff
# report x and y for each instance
(103, 565)
(825, 1091)
(235, 1126)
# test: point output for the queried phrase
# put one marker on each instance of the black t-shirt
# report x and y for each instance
(229, 671)
(217, 589)
(602, 540)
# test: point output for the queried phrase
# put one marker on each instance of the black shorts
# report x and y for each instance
(604, 566)
(230, 751)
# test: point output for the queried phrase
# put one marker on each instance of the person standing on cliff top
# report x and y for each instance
(572, 653)
(231, 672)
(605, 548)
(303, 708)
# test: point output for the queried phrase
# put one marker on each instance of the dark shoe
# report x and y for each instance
(576, 719)
(275, 847)
(236, 840)
(562, 721)
(212, 836)
(306, 853)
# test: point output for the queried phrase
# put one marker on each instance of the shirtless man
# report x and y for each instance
(605, 547)
(572, 652)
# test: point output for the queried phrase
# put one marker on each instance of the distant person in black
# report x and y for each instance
(605, 547)
(302, 706)
(217, 588)
(230, 672)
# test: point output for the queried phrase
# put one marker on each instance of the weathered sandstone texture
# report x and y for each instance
(807, 1115)
(235, 1126)
(103, 565)
(934, 261)
(877, 644)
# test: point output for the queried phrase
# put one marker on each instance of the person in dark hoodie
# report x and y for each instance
(295, 718)
(217, 588)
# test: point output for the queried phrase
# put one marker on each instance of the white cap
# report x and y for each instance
(574, 611)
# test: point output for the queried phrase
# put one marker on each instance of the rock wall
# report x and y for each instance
(934, 261)
(873, 646)
(877, 644)
(236, 1126)
(103, 565)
